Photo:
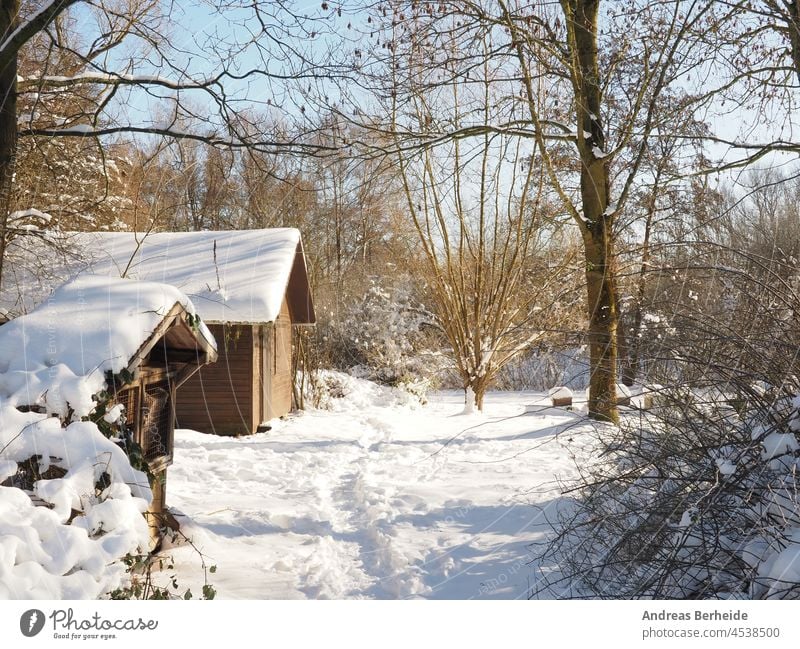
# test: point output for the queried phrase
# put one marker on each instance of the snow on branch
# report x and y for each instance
(29, 28)
(35, 84)
(244, 142)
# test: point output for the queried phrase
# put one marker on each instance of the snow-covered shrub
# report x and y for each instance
(385, 336)
(324, 387)
(688, 501)
(71, 503)
(340, 391)
(71, 508)
(386, 328)
(416, 386)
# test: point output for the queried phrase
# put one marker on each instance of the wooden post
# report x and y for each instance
(155, 513)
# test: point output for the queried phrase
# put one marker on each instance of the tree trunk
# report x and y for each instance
(597, 224)
(629, 349)
(632, 344)
(630, 360)
(625, 352)
(474, 392)
(793, 23)
(603, 316)
(9, 10)
(479, 388)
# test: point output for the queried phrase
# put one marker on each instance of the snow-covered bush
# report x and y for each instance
(71, 508)
(688, 501)
(338, 391)
(546, 366)
(385, 336)
(387, 329)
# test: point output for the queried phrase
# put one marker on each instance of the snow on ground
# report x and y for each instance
(376, 498)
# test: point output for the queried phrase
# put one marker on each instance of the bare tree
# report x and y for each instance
(755, 70)
(589, 99)
(480, 210)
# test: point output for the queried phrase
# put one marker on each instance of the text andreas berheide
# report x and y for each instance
(706, 616)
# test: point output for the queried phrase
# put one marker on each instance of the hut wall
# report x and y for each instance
(250, 383)
(219, 397)
(278, 372)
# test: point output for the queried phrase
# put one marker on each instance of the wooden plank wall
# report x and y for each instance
(250, 384)
(280, 369)
(219, 397)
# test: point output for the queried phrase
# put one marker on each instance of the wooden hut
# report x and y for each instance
(252, 382)
(249, 286)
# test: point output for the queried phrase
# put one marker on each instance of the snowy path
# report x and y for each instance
(368, 501)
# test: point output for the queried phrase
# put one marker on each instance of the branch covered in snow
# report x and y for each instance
(254, 143)
(30, 27)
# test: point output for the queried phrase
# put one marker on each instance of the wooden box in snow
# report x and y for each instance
(560, 397)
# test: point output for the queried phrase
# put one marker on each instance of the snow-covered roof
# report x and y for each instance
(238, 276)
(560, 392)
(58, 353)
